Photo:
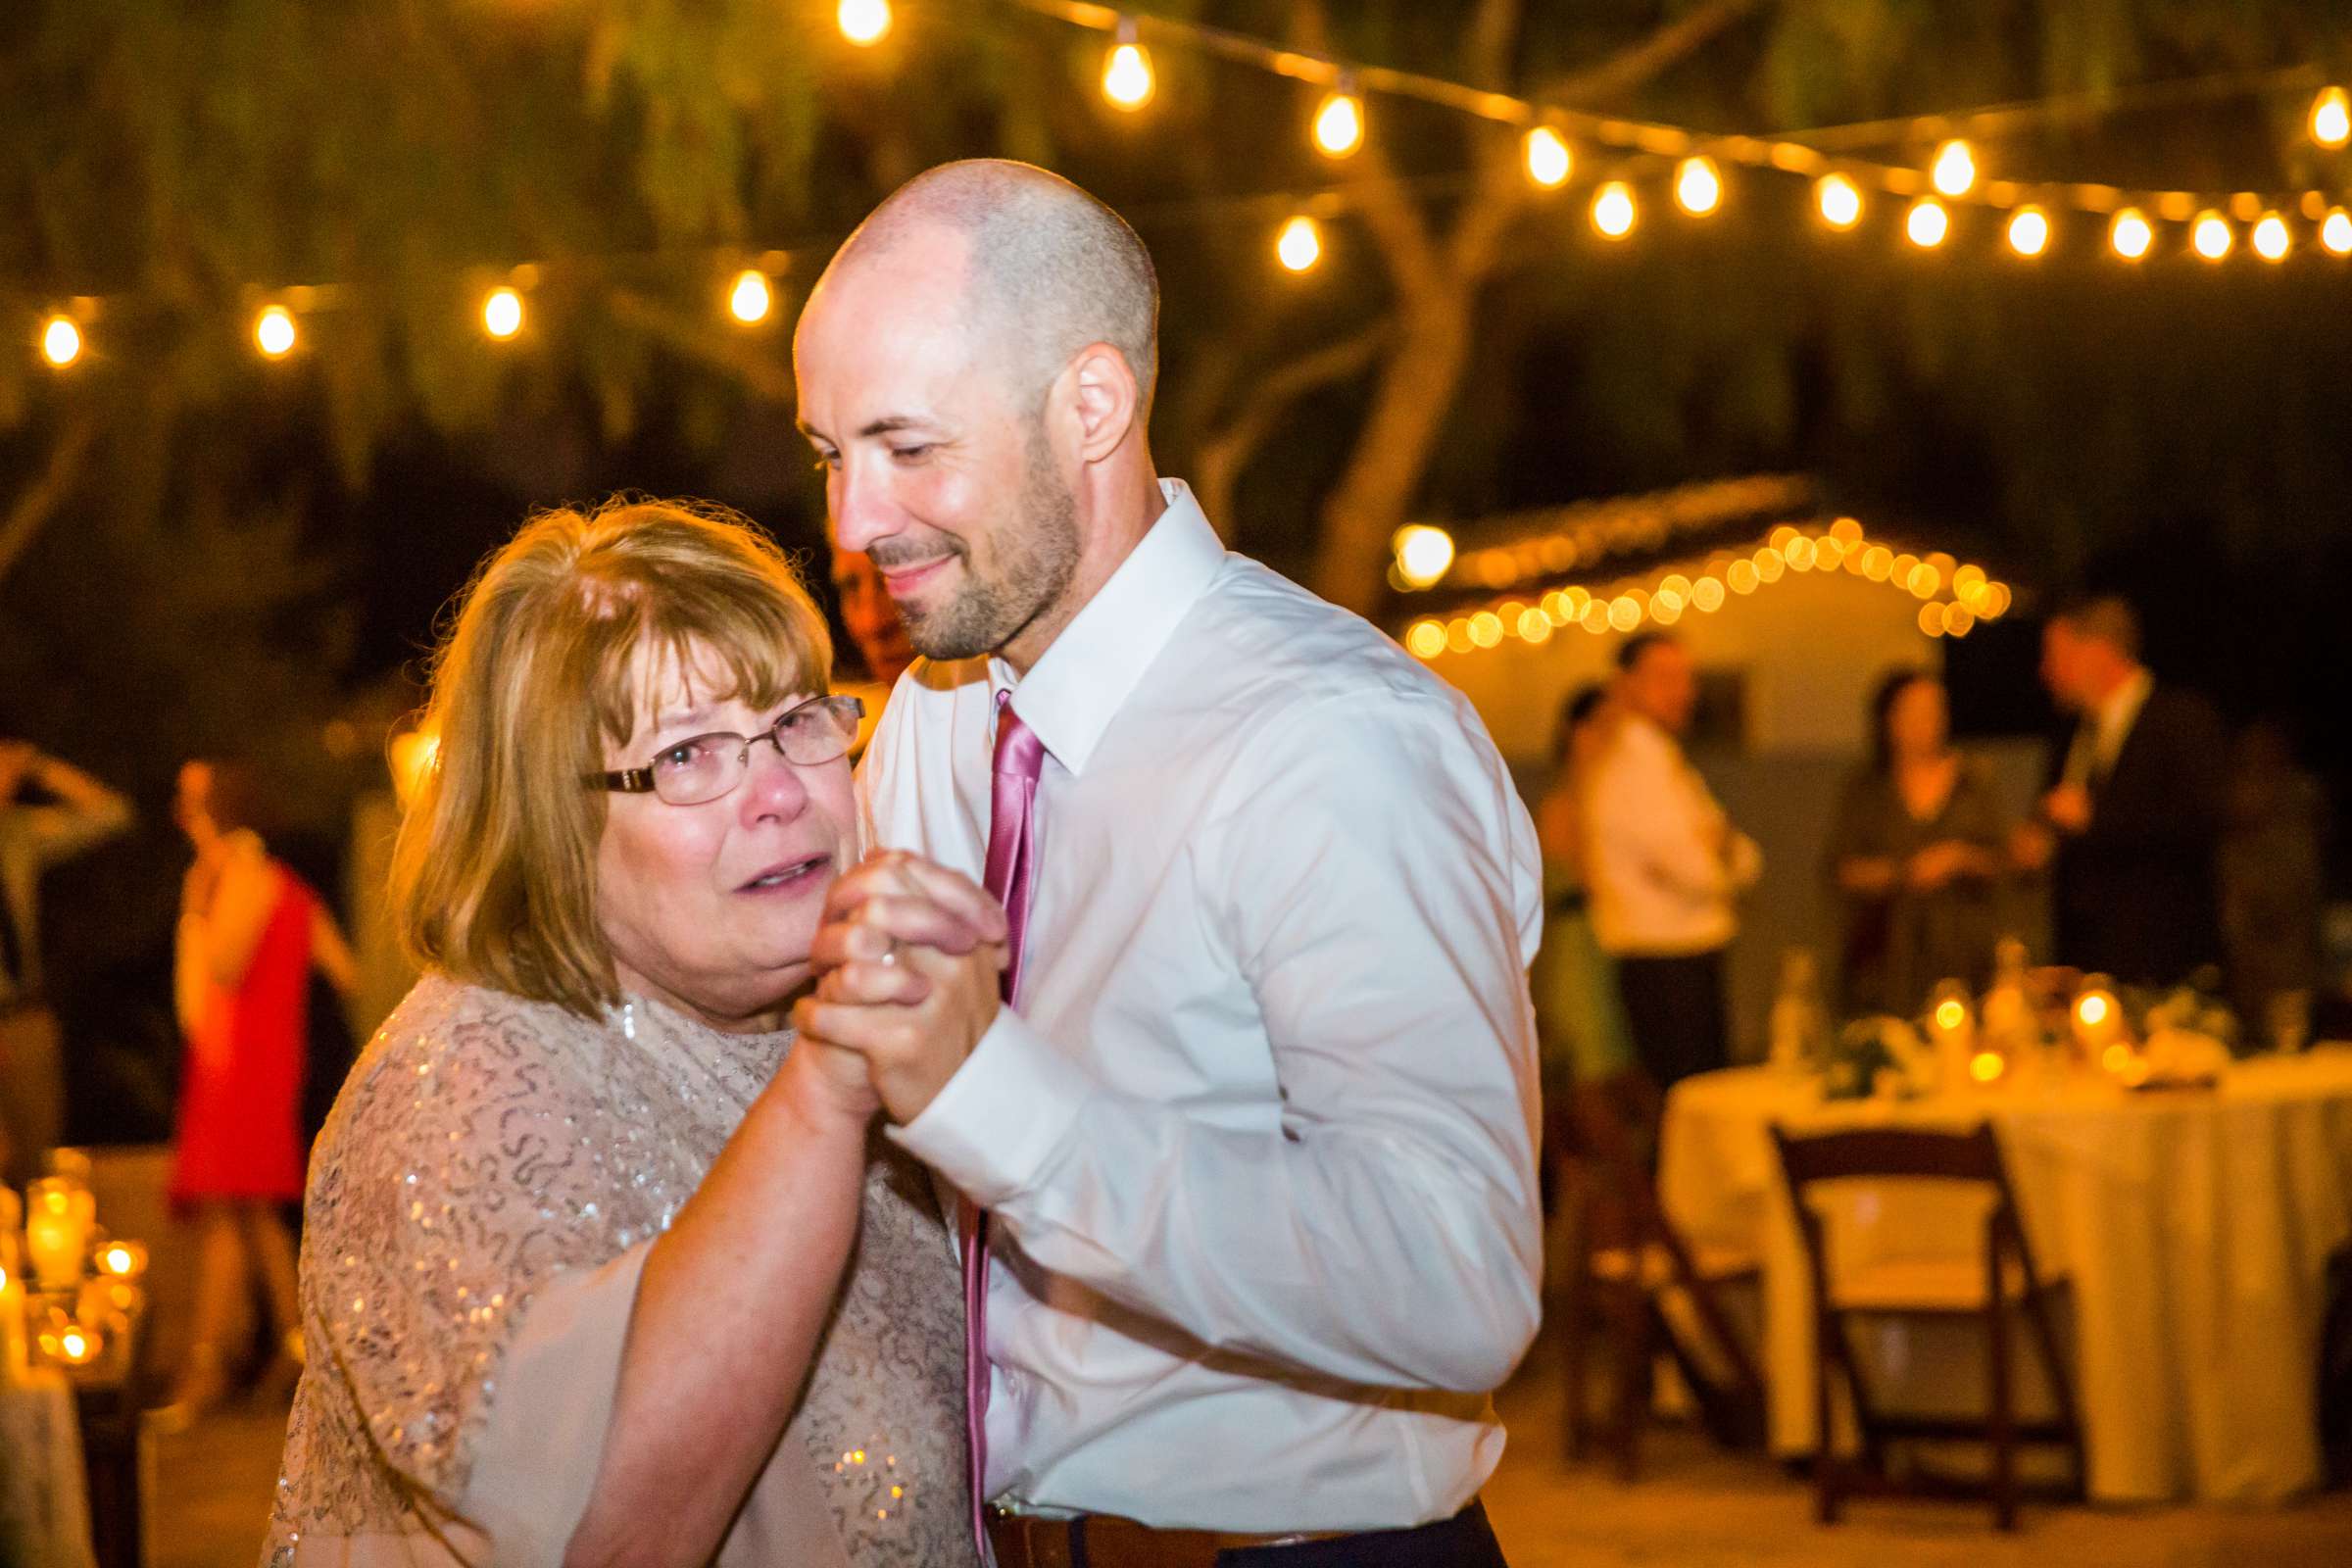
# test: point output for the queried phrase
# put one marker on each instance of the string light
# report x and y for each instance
(501, 314)
(2030, 232)
(2211, 235)
(1424, 554)
(1550, 163)
(2272, 241)
(1954, 171)
(2332, 118)
(1613, 211)
(2130, 234)
(1127, 79)
(61, 341)
(1928, 224)
(1704, 588)
(274, 332)
(1340, 124)
(1840, 201)
(1699, 187)
(1300, 244)
(2335, 232)
(864, 22)
(751, 299)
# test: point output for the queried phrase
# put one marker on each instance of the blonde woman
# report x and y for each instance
(599, 1266)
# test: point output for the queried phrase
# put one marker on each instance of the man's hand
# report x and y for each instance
(910, 960)
(2067, 808)
(2031, 846)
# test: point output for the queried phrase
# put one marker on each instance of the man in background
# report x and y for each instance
(2131, 824)
(71, 812)
(872, 618)
(1667, 869)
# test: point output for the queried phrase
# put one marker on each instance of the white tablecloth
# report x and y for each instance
(2193, 1227)
(44, 1515)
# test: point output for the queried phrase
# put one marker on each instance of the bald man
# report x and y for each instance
(1247, 1161)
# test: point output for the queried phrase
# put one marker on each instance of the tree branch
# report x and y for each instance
(1220, 456)
(730, 354)
(1637, 64)
(41, 499)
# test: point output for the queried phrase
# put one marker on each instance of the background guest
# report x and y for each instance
(1915, 855)
(1580, 1027)
(250, 933)
(872, 617)
(2129, 825)
(1666, 867)
(2273, 878)
(72, 813)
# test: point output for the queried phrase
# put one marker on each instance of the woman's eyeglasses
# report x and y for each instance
(707, 766)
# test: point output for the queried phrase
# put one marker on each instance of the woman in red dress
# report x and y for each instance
(250, 933)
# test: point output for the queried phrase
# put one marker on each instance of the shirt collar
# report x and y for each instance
(2123, 705)
(1071, 694)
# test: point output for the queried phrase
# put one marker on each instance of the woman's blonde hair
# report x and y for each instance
(494, 874)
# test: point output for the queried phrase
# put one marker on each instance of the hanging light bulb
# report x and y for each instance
(1300, 245)
(2332, 118)
(1954, 171)
(1550, 163)
(2335, 232)
(864, 22)
(501, 314)
(1127, 79)
(1424, 554)
(1340, 122)
(2211, 235)
(61, 341)
(2130, 234)
(2272, 241)
(2030, 232)
(1613, 211)
(1839, 200)
(751, 299)
(274, 332)
(1928, 223)
(1699, 187)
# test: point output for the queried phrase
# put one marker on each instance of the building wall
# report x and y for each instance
(1808, 651)
(1809, 648)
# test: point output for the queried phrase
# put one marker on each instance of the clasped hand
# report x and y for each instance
(909, 959)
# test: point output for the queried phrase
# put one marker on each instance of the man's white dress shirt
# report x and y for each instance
(1258, 1135)
(1667, 866)
(2100, 735)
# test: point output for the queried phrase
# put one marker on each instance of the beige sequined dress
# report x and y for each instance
(480, 1203)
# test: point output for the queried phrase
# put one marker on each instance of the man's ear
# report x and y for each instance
(1105, 397)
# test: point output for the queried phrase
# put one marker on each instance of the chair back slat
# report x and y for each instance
(1892, 1152)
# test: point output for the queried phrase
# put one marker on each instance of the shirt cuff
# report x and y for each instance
(994, 1125)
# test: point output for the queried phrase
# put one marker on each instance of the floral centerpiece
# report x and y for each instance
(1876, 1055)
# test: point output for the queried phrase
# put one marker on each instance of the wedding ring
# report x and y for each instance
(890, 960)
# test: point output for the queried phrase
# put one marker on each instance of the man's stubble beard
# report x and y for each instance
(1037, 559)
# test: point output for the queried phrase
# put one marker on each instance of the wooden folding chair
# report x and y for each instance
(1628, 1258)
(2002, 1282)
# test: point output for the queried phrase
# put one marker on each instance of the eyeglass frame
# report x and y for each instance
(640, 780)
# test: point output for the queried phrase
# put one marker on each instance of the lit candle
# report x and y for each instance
(124, 1261)
(70, 1343)
(12, 1288)
(1952, 1028)
(57, 1233)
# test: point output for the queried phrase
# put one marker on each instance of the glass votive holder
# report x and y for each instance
(60, 1211)
(121, 1261)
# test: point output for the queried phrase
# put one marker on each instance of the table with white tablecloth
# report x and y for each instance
(2192, 1229)
(44, 1515)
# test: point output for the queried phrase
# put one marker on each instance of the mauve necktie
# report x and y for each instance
(1008, 875)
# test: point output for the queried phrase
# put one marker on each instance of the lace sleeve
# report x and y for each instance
(467, 1169)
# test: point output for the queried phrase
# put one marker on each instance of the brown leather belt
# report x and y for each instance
(1106, 1541)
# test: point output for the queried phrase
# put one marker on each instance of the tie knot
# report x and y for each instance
(1019, 753)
